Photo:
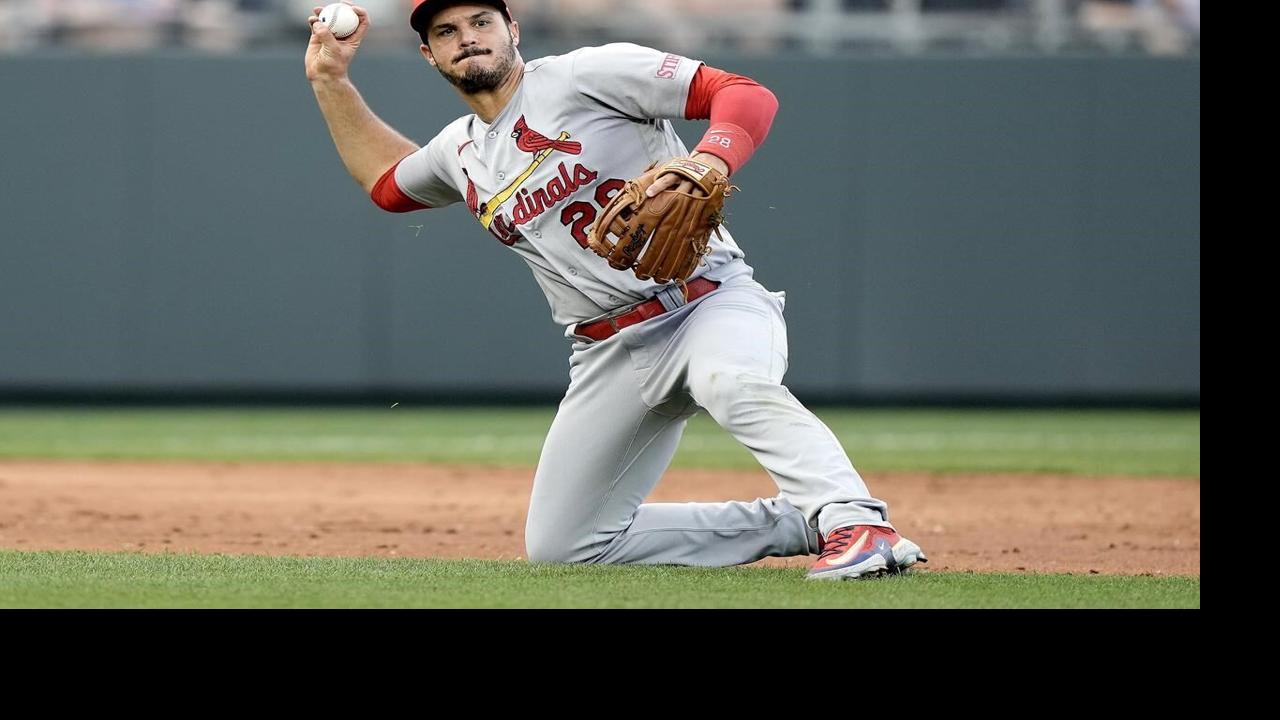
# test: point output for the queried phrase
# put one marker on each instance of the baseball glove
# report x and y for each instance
(665, 236)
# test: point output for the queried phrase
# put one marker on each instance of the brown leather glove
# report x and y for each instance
(665, 236)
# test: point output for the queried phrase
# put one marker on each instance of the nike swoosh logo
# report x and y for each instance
(853, 550)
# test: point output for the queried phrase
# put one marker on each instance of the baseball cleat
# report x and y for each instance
(863, 551)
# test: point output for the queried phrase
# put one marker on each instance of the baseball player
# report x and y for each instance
(547, 146)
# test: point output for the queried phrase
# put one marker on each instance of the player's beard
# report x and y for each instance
(475, 79)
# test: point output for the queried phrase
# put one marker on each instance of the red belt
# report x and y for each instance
(608, 327)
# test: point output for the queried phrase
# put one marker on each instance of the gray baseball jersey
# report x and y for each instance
(576, 129)
(579, 126)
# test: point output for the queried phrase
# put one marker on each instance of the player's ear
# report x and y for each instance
(514, 27)
(427, 54)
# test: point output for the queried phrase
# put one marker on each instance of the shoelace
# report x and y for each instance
(837, 542)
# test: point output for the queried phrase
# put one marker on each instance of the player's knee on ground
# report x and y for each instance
(545, 543)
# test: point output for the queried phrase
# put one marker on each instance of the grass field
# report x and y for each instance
(118, 580)
(1069, 442)
(1096, 443)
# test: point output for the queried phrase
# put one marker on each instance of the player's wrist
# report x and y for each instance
(713, 160)
(729, 143)
(326, 82)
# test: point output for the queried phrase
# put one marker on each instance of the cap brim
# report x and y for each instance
(421, 15)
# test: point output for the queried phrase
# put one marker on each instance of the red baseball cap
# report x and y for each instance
(424, 10)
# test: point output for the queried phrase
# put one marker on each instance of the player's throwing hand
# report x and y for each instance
(328, 57)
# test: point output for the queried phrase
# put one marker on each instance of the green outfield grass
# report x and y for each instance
(1076, 442)
(131, 580)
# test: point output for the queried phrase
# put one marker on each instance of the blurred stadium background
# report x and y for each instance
(968, 201)
(823, 27)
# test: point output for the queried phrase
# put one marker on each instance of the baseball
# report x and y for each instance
(340, 18)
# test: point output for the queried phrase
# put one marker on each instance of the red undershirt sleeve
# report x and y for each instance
(740, 109)
(387, 195)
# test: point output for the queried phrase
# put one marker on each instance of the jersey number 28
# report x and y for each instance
(579, 215)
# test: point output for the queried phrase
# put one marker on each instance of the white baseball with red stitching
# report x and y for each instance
(341, 20)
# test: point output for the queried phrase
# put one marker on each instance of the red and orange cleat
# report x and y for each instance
(863, 551)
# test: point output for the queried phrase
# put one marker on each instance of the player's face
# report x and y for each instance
(472, 46)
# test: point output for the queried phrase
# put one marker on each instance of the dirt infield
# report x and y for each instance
(1027, 523)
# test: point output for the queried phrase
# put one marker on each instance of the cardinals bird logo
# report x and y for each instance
(531, 140)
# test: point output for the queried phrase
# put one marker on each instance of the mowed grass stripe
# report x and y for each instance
(1070, 442)
(132, 580)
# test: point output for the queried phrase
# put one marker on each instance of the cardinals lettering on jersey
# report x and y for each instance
(528, 204)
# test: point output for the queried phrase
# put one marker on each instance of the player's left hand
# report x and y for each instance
(667, 182)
